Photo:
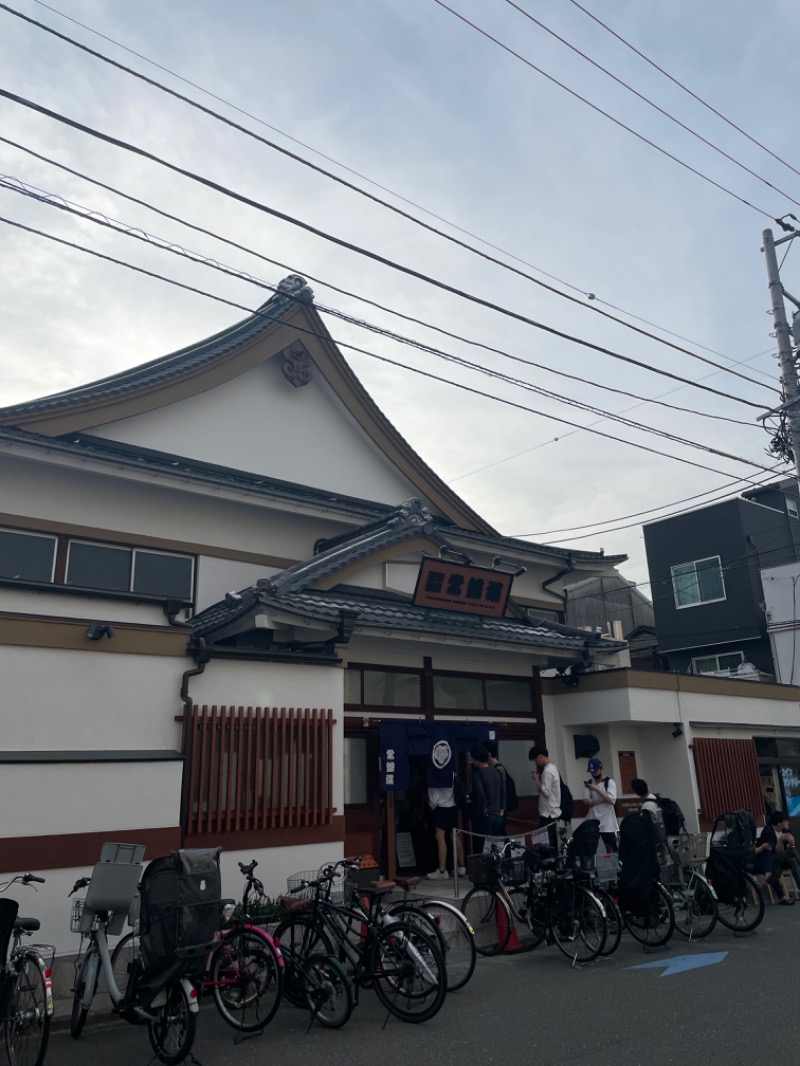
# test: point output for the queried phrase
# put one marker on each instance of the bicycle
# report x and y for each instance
(243, 971)
(693, 897)
(740, 900)
(456, 936)
(536, 897)
(164, 995)
(397, 958)
(26, 983)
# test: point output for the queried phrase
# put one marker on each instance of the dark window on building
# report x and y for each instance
(159, 574)
(26, 556)
(99, 566)
(698, 582)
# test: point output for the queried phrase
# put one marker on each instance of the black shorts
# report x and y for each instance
(445, 817)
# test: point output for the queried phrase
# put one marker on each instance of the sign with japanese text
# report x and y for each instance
(454, 587)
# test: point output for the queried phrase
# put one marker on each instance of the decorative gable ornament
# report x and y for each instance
(296, 364)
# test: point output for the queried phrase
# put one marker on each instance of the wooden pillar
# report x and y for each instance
(391, 837)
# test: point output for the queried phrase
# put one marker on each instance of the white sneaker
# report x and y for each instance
(462, 871)
(438, 875)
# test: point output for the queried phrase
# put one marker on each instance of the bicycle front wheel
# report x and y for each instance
(529, 931)
(85, 974)
(408, 972)
(490, 918)
(173, 1033)
(695, 906)
(27, 1023)
(579, 925)
(125, 953)
(301, 937)
(247, 980)
(744, 909)
(656, 926)
(329, 992)
(452, 932)
(614, 923)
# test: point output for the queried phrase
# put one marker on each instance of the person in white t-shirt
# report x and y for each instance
(600, 795)
(548, 780)
(445, 818)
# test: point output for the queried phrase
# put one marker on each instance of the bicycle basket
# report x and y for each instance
(691, 849)
(514, 871)
(80, 920)
(482, 869)
(295, 885)
(607, 868)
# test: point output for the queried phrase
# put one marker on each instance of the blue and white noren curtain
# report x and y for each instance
(441, 741)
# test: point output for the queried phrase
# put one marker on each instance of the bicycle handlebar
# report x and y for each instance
(22, 879)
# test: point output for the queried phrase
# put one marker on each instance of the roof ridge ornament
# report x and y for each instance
(297, 287)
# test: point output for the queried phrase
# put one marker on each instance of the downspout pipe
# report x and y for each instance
(201, 657)
(568, 569)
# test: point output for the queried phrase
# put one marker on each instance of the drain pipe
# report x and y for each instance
(201, 657)
(568, 569)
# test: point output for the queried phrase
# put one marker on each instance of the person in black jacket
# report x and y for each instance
(487, 797)
(766, 849)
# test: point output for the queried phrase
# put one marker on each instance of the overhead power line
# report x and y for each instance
(671, 514)
(685, 88)
(354, 188)
(651, 103)
(605, 114)
(15, 184)
(374, 256)
(384, 359)
(168, 246)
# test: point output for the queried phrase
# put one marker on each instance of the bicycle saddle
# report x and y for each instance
(30, 925)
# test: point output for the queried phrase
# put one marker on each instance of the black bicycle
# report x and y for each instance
(398, 959)
(26, 987)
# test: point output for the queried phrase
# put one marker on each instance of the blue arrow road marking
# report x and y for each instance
(681, 963)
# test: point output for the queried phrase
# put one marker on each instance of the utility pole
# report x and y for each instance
(783, 333)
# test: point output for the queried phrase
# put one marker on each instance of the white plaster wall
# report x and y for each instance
(278, 431)
(56, 699)
(51, 905)
(279, 685)
(89, 797)
(94, 608)
(781, 586)
(217, 576)
(171, 510)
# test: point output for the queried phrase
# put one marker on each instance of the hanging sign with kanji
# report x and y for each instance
(471, 589)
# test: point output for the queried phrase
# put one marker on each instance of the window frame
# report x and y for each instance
(59, 570)
(707, 673)
(694, 563)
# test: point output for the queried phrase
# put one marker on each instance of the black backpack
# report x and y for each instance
(460, 792)
(673, 817)
(512, 799)
(567, 802)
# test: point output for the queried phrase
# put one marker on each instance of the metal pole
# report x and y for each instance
(791, 389)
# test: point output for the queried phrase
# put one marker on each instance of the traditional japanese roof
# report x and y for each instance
(290, 291)
(381, 611)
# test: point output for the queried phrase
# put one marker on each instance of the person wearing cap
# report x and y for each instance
(600, 797)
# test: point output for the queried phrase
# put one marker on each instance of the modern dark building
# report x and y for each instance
(705, 573)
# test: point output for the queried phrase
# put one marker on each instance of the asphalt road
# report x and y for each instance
(533, 1008)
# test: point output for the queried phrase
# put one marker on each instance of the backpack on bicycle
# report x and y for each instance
(582, 847)
(639, 845)
(179, 917)
(731, 854)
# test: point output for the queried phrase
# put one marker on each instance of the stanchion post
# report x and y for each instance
(454, 844)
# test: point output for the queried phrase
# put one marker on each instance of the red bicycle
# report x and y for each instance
(244, 970)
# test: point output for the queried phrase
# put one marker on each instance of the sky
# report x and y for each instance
(407, 101)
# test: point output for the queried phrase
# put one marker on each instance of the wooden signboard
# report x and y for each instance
(405, 851)
(627, 770)
(471, 589)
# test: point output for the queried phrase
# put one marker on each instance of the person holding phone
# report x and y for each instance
(600, 797)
